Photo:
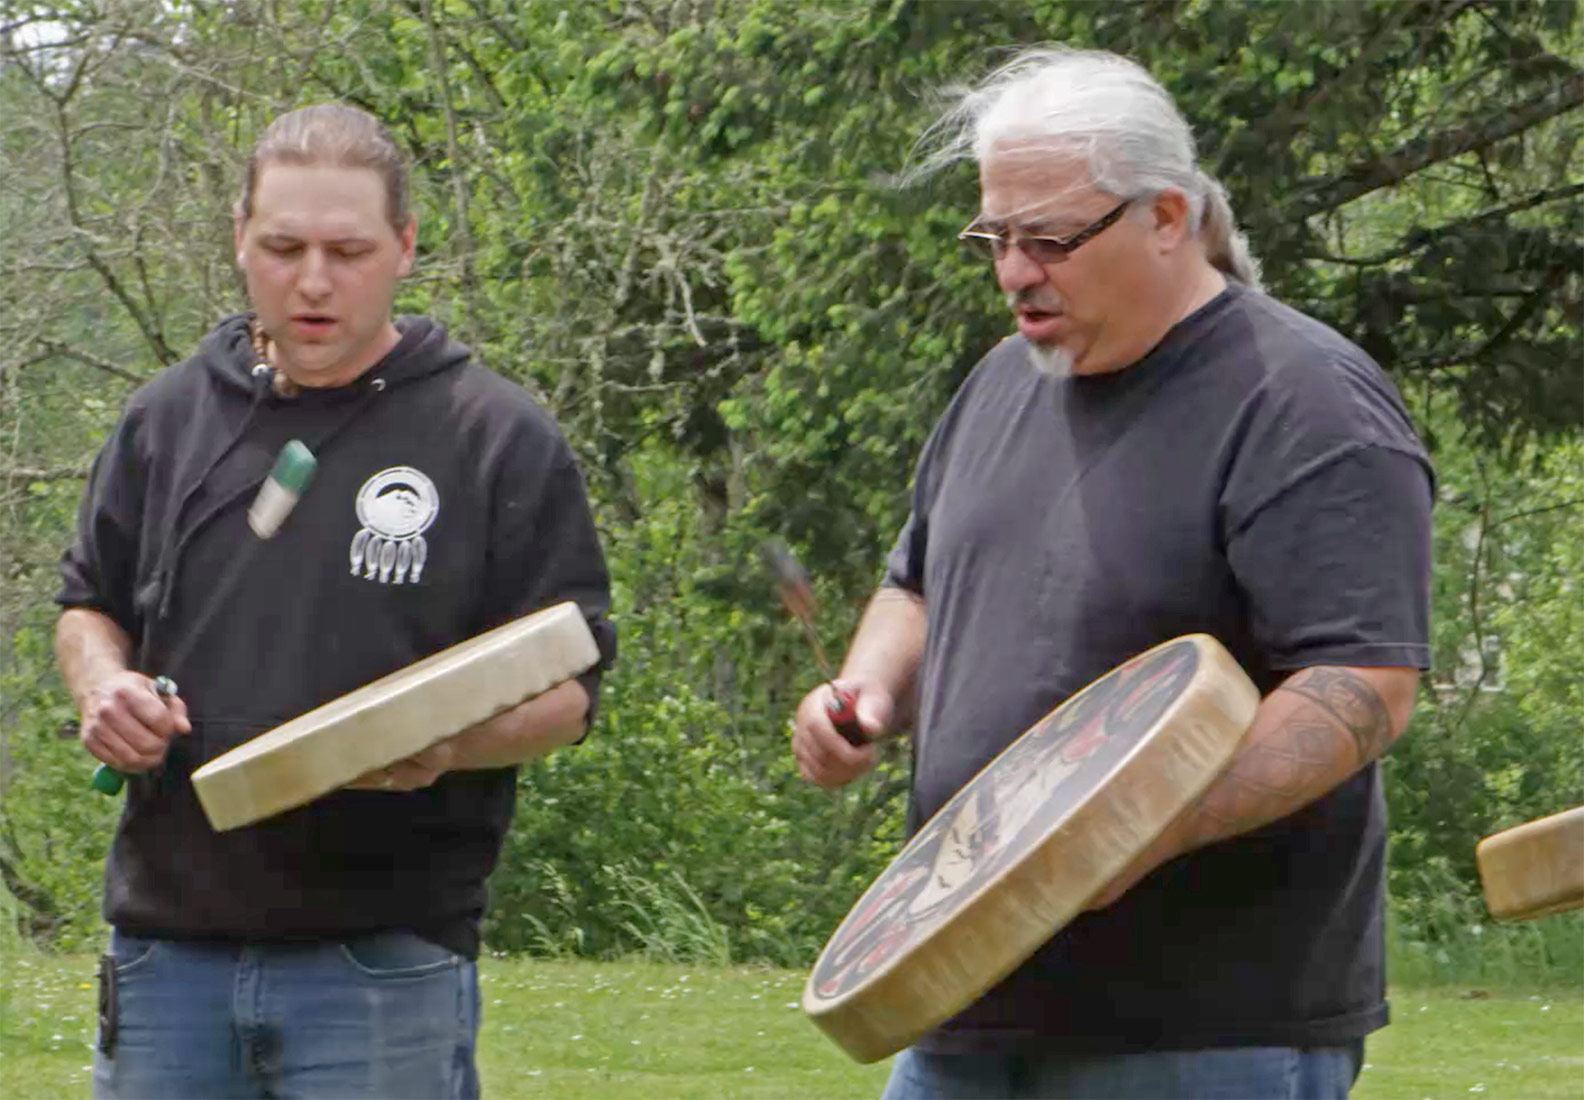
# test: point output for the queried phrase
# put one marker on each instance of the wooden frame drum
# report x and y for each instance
(1020, 850)
(395, 716)
(1534, 869)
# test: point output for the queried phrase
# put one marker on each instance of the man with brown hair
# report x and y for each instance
(329, 950)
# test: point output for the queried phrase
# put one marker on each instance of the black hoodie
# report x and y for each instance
(478, 497)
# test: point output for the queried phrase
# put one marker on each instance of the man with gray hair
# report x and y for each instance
(1162, 449)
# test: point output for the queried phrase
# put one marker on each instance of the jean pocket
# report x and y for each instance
(129, 952)
(387, 955)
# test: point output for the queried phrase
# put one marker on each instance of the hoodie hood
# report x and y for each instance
(425, 349)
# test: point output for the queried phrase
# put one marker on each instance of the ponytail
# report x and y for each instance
(1225, 246)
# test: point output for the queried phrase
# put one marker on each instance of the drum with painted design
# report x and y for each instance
(1021, 849)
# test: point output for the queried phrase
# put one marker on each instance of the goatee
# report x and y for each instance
(1053, 362)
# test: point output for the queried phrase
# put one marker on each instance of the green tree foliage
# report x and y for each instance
(684, 224)
(1495, 742)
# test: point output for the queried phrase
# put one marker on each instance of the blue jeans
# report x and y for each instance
(1246, 1073)
(386, 1015)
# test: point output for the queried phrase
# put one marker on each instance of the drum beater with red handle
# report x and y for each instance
(798, 595)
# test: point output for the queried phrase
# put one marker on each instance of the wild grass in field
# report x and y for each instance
(565, 939)
(1447, 937)
(671, 922)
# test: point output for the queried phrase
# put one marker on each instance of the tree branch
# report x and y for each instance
(1318, 195)
(462, 231)
(1374, 43)
(1531, 305)
(150, 332)
(23, 475)
(1422, 238)
(1476, 568)
(1539, 511)
(52, 349)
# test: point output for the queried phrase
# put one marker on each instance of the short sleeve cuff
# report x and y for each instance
(1356, 655)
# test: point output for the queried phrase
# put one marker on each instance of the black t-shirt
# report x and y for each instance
(1256, 478)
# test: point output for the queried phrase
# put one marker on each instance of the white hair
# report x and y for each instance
(1113, 114)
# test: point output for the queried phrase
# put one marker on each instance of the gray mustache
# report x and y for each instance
(1045, 303)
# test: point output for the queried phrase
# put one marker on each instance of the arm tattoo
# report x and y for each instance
(1352, 701)
(1287, 764)
(1286, 767)
(1270, 775)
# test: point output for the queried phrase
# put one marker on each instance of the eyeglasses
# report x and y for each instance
(1042, 250)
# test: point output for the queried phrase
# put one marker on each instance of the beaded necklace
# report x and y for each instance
(282, 385)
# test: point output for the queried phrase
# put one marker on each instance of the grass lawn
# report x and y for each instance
(634, 1029)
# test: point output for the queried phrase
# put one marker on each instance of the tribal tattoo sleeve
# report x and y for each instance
(1311, 733)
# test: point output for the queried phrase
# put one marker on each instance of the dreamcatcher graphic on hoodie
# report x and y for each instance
(395, 507)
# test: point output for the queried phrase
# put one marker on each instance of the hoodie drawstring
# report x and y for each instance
(170, 561)
(171, 555)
